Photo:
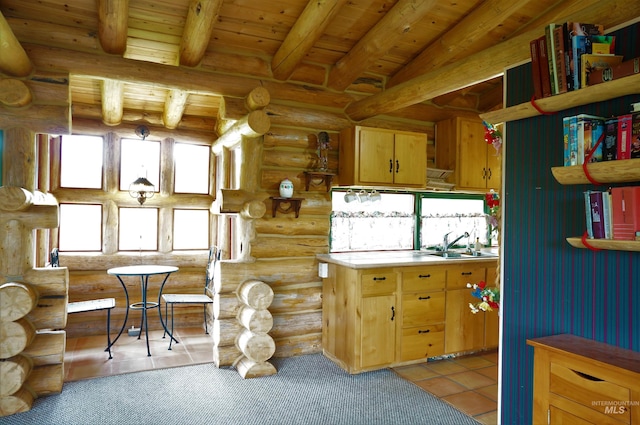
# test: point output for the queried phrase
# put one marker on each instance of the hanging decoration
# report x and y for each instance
(489, 297)
(492, 136)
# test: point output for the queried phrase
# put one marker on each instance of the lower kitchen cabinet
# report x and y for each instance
(383, 317)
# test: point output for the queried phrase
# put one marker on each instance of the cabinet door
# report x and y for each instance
(494, 169)
(464, 330)
(376, 157)
(378, 331)
(472, 155)
(410, 164)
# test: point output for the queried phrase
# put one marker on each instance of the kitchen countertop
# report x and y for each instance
(371, 259)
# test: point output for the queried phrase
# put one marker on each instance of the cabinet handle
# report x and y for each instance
(393, 313)
(391, 166)
(424, 276)
(397, 166)
(379, 278)
(489, 174)
(425, 298)
(484, 172)
(424, 332)
(466, 273)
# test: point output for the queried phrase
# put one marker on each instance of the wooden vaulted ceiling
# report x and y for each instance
(182, 63)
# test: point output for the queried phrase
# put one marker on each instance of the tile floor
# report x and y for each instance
(467, 383)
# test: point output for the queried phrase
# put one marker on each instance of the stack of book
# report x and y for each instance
(613, 214)
(600, 139)
(563, 59)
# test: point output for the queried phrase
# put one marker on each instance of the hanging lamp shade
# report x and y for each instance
(142, 189)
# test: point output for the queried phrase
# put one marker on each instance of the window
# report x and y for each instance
(80, 227)
(190, 229)
(138, 229)
(81, 162)
(365, 225)
(108, 219)
(191, 168)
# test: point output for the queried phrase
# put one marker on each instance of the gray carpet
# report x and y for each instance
(306, 390)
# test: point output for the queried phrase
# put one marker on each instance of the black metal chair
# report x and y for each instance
(88, 305)
(204, 298)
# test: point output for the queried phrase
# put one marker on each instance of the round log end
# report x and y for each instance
(257, 99)
(13, 374)
(15, 337)
(13, 198)
(258, 122)
(253, 209)
(14, 93)
(16, 301)
(17, 403)
(256, 294)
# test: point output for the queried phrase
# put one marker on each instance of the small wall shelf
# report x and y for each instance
(623, 170)
(608, 244)
(285, 205)
(584, 96)
(311, 178)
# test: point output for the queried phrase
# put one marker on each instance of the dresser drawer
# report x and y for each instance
(424, 278)
(580, 384)
(459, 276)
(378, 282)
(422, 308)
(422, 342)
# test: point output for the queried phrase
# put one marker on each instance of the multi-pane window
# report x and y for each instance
(86, 215)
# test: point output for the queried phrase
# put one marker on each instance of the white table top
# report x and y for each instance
(149, 269)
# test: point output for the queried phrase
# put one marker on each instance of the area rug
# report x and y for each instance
(307, 389)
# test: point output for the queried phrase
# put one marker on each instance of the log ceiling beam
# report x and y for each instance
(491, 99)
(378, 41)
(112, 92)
(460, 38)
(113, 23)
(197, 30)
(174, 107)
(13, 59)
(485, 64)
(303, 35)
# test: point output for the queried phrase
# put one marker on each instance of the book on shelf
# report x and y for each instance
(623, 69)
(578, 44)
(590, 61)
(570, 140)
(544, 67)
(634, 148)
(551, 56)
(581, 134)
(597, 219)
(587, 210)
(592, 137)
(607, 216)
(626, 212)
(603, 44)
(560, 70)
(623, 150)
(610, 145)
(535, 69)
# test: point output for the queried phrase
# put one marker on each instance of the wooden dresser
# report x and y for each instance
(581, 381)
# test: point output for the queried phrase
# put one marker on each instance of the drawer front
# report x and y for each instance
(422, 342)
(459, 276)
(378, 282)
(422, 308)
(424, 279)
(579, 384)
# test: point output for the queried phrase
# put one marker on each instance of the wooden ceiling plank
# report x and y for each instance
(13, 59)
(485, 64)
(112, 101)
(197, 30)
(377, 42)
(303, 35)
(461, 37)
(112, 25)
(174, 108)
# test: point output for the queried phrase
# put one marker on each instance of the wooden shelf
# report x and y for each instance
(316, 178)
(587, 95)
(620, 171)
(609, 244)
(285, 205)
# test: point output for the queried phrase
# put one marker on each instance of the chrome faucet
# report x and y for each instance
(446, 244)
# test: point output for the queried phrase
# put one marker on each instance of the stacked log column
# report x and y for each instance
(32, 302)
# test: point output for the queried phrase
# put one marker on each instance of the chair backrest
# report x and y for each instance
(212, 262)
(53, 258)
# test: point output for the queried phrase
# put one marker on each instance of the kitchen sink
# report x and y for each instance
(447, 254)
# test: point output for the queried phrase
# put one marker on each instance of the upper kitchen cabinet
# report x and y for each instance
(381, 157)
(460, 146)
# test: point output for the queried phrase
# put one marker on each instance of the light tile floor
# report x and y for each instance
(467, 383)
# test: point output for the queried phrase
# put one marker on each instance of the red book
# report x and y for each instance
(634, 148)
(626, 212)
(624, 136)
(561, 61)
(544, 67)
(535, 69)
(614, 72)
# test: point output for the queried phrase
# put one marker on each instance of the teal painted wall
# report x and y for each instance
(548, 286)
